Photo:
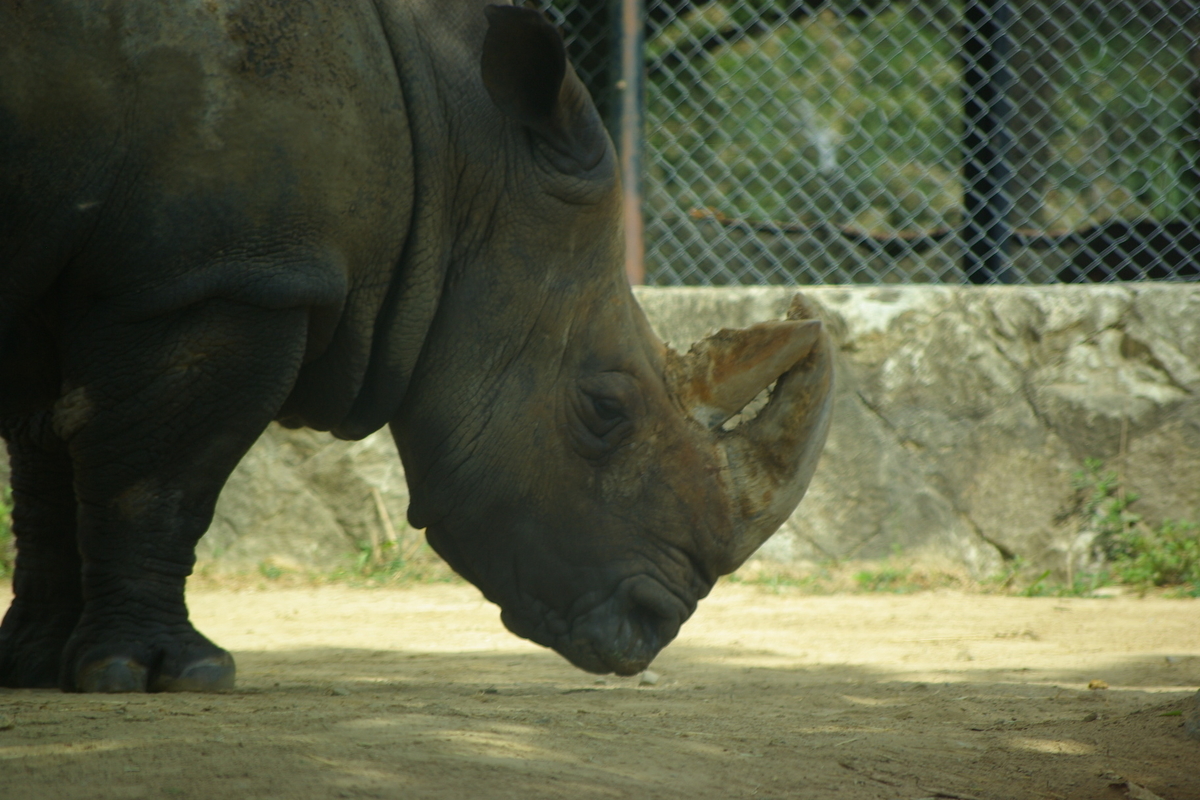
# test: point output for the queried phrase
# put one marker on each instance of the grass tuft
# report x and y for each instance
(384, 565)
(894, 575)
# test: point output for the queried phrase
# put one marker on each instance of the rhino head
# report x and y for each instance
(583, 475)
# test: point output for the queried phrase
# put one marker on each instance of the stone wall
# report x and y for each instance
(962, 415)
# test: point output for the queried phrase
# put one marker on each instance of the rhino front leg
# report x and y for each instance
(157, 414)
(46, 585)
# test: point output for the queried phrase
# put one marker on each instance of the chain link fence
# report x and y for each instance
(923, 141)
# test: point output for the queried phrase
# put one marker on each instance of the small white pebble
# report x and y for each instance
(649, 678)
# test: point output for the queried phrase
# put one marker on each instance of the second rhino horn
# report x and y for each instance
(721, 374)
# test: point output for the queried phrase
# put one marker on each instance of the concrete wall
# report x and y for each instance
(962, 414)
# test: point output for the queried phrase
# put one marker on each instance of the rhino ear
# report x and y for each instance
(526, 73)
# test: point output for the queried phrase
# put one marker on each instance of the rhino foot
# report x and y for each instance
(179, 661)
(32, 638)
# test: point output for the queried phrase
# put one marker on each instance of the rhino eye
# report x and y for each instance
(607, 408)
(602, 414)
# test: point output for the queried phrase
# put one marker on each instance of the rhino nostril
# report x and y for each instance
(655, 612)
(646, 625)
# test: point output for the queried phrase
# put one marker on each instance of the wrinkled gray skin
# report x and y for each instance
(340, 214)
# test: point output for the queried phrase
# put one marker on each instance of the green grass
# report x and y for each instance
(894, 575)
(1082, 585)
(390, 565)
(783, 581)
(892, 579)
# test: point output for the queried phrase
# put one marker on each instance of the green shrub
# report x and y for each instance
(1168, 555)
(1105, 508)
(1135, 553)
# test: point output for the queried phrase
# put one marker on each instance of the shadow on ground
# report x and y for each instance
(330, 722)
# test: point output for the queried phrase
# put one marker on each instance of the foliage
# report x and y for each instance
(1168, 555)
(895, 575)
(1135, 553)
(388, 565)
(771, 114)
(1105, 508)
(858, 121)
(385, 564)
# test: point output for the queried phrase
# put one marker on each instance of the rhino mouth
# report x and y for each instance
(621, 634)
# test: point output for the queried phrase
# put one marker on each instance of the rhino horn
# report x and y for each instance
(771, 457)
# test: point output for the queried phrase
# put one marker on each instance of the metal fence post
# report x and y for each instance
(987, 142)
(631, 86)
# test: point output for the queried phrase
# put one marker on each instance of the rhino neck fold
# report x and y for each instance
(418, 275)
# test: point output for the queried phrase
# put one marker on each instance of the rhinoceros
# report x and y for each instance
(346, 214)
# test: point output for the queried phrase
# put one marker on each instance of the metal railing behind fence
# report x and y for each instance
(923, 141)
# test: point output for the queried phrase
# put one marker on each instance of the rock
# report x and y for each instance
(649, 678)
(268, 514)
(305, 500)
(1136, 792)
(353, 479)
(1191, 717)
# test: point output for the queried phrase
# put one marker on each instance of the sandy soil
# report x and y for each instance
(420, 693)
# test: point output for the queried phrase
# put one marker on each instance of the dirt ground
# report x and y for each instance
(420, 693)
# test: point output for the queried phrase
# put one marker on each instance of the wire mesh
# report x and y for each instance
(841, 142)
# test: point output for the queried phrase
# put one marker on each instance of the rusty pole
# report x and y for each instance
(631, 88)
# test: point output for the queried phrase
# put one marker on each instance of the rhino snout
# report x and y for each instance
(625, 632)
